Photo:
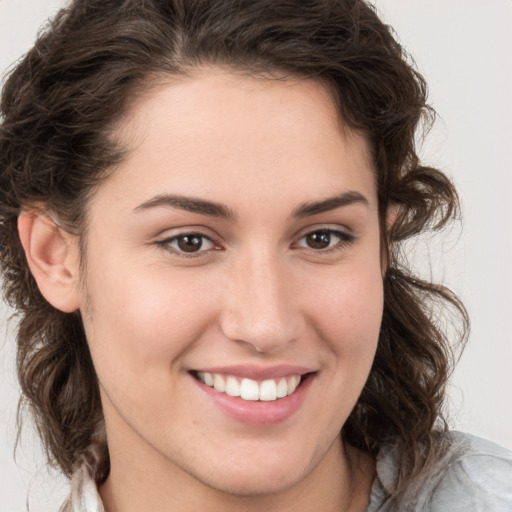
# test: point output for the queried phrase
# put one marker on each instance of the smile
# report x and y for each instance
(248, 389)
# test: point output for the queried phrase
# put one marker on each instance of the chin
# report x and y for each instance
(255, 483)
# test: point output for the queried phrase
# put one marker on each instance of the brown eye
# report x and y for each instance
(190, 243)
(318, 239)
(326, 240)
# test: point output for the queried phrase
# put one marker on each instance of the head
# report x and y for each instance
(84, 104)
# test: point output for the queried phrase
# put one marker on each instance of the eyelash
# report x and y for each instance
(166, 244)
(344, 239)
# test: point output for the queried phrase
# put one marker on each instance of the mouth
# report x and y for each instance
(255, 396)
(248, 389)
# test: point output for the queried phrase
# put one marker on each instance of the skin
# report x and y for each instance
(257, 294)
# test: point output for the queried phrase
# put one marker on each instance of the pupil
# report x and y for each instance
(319, 240)
(190, 243)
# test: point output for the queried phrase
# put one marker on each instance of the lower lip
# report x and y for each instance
(259, 413)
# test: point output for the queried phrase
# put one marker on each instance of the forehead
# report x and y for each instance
(216, 131)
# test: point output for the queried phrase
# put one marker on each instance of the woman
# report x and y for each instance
(201, 217)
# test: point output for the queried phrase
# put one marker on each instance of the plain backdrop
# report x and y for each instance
(464, 49)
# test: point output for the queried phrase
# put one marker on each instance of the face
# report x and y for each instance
(234, 251)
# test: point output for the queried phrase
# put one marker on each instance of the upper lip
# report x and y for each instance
(258, 372)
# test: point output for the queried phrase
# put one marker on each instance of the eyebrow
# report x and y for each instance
(331, 203)
(213, 209)
(189, 204)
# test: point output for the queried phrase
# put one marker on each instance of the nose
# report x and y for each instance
(260, 309)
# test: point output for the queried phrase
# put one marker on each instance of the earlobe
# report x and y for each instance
(52, 257)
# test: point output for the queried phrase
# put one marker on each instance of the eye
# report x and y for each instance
(325, 239)
(188, 243)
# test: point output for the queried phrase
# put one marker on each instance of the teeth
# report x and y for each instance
(282, 388)
(249, 389)
(208, 379)
(268, 390)
(218, 383)
(232, 387)
(292, 384)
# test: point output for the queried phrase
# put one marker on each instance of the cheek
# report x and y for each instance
(346, 314)
(346, 310)
(140, 323)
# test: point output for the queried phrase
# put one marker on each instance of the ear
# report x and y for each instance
(391, 215)
(387, 254)
(52, 256)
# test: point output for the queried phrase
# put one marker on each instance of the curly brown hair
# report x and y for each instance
(58, 107)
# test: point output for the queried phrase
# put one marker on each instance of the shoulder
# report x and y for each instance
(478, 476)
(472, 475)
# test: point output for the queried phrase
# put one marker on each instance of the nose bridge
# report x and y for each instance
(260, 309)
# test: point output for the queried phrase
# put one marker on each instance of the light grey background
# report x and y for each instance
(464, 49)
